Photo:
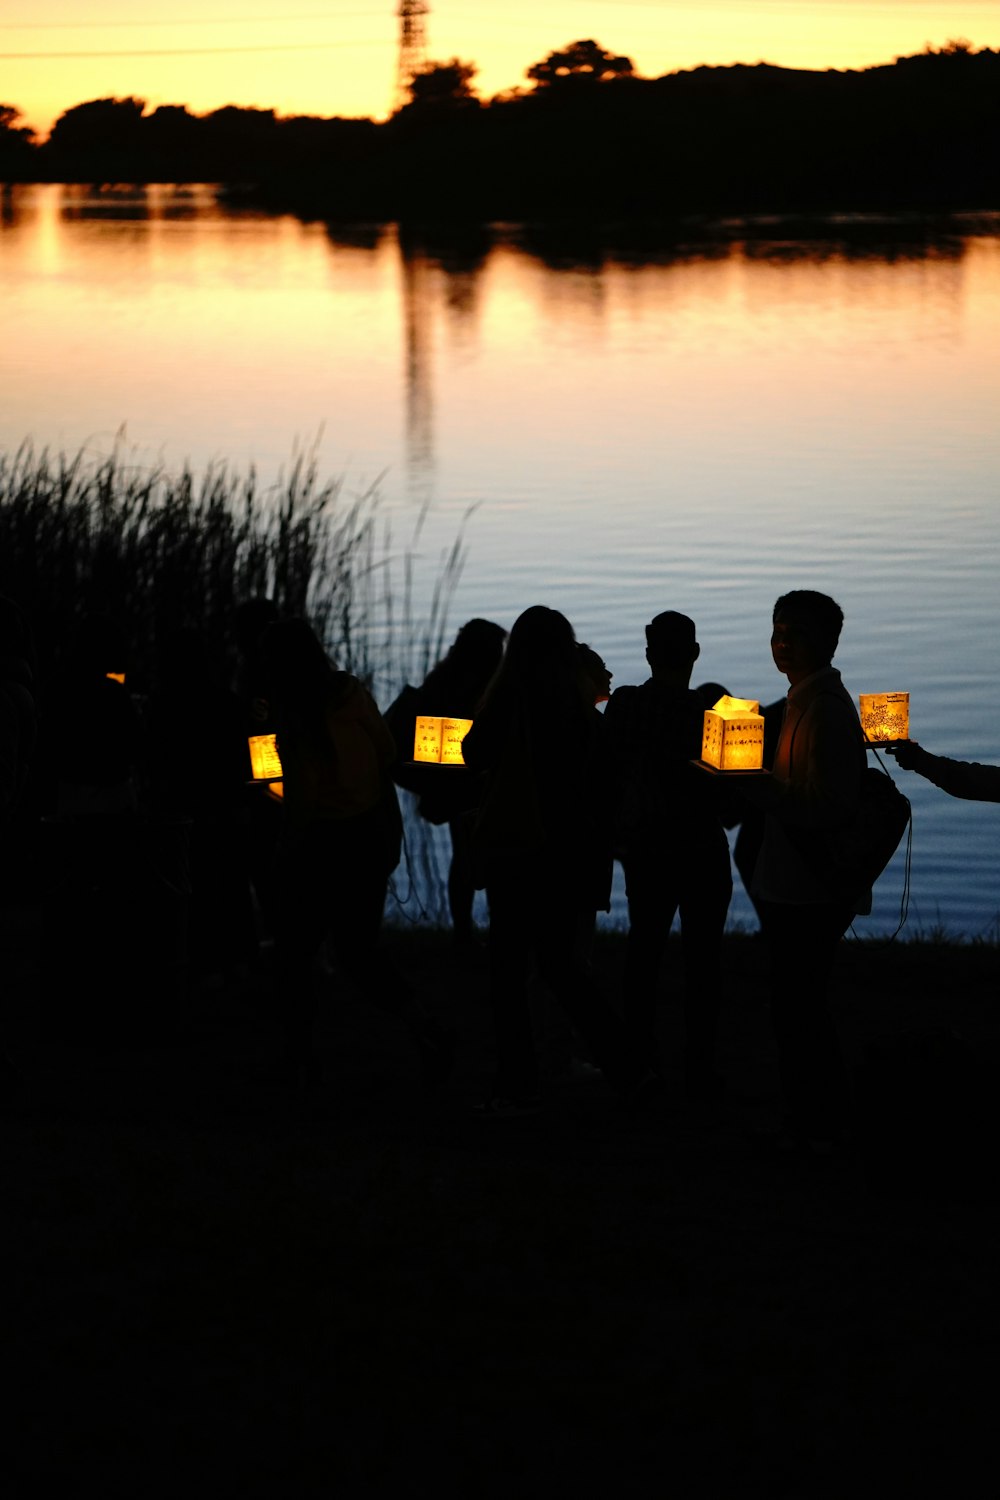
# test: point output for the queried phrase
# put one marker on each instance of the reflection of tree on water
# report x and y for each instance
(773, 238)
(355, 236)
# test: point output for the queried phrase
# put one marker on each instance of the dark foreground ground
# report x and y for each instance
(214, 1286)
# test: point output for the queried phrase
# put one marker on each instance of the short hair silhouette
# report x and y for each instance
(671, 637)
(822, 615)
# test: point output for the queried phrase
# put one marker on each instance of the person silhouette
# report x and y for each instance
(263, 811)
(541, 848)
(966, 779)
(672, 844)
(197, 768)
(101, 862)
(91, 747)
(452, 689)
(340, 842)
(810, 798)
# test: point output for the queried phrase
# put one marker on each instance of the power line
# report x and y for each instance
(189, 51)
(147, 25)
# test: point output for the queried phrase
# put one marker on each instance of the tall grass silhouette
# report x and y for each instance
(159, 551)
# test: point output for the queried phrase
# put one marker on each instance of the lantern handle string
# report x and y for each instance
(904, 904)
(904, 900)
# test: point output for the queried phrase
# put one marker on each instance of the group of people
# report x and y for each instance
(552, 792)
(565, 790)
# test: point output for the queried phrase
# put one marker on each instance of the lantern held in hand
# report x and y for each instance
(265, 762)
(733, 737)
(438, 741)
(885, 717)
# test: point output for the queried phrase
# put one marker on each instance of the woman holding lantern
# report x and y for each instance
(340, 841)
(452, 689)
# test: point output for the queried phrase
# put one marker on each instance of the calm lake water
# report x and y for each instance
(617, 435)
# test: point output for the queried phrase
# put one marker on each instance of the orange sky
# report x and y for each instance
(340, 57)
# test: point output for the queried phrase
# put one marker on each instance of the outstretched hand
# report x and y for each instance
(907, 752)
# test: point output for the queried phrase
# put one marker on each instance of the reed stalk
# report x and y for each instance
(160, 551)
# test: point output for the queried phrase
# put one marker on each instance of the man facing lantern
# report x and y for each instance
(811, 799)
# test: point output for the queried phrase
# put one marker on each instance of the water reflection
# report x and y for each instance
(563, 247)
(418, 379)
(457, 249)
(693, 424)
(455, 257)
(97, 201)
(891, 252)
(356, 236)
(118, 202)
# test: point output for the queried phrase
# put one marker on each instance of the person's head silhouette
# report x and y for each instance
(596, 673)
(671, 646)
(805, 632)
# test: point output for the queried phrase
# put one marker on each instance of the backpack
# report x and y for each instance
(855, 856)
(860, 854)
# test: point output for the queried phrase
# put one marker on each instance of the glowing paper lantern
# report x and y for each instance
(265, 762)
(733, 737)
(885, 717)
(439, 740)
(116, 677)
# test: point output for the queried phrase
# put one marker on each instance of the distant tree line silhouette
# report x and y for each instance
(590, 141)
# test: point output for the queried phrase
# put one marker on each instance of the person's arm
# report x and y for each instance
(959, 778)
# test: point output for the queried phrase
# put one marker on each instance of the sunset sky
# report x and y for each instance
(339, 57)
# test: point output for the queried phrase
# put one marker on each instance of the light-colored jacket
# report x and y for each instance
(813, 795)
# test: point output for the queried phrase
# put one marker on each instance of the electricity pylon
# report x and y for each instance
(412, 47)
